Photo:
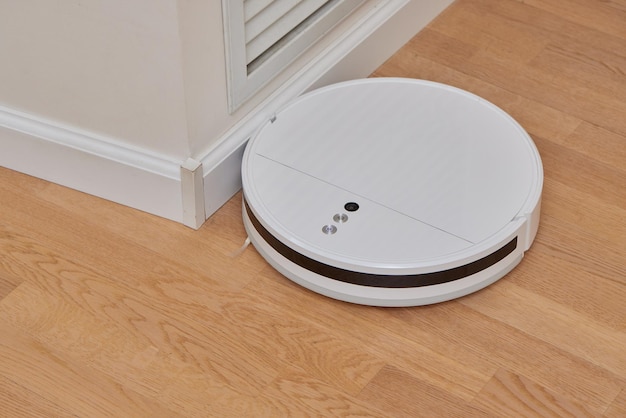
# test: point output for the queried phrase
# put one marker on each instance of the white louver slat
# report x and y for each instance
(263, 37)
(252, 7)
(267, 25)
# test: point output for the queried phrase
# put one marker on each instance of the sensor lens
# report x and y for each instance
(351, 206)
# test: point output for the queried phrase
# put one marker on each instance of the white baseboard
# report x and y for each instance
(355, 55)
(92, 164)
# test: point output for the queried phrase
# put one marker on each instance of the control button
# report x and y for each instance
(329, 229)
(340, 218)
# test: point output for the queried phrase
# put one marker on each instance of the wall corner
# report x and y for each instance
(192, 193)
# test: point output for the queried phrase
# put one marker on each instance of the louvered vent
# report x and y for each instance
(264, 36)
(272, 23)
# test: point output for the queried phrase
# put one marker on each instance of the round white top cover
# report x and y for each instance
(435, 170)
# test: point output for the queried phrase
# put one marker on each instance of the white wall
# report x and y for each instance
(112, 97)
(111, 67)
(202, 40)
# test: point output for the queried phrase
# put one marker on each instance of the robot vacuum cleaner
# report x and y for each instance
(392, 192)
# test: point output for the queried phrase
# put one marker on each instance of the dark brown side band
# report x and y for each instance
(381, 280)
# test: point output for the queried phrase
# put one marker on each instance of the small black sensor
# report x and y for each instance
(351, 206)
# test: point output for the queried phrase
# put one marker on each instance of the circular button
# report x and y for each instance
(351, 206)
(340, 218)
(329, 229)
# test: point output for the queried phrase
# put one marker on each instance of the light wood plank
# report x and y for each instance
(310, 397)
(427, 355)
(8, 283)
(37, 368)
(402, 395)
(550, 273)
(583, 249)
(510, 395)
(285, 339)
(422, 61)
(574, 333)
(22, 403)
(506, 346)
(586, 212)
(478, 23)
(199, 248)
(63, 302)
(617, 409)
(597, 143)
(269, 337)
(593, 178)
(605, 16)
(46, 223)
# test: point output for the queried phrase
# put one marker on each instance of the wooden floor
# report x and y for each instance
(107, 311)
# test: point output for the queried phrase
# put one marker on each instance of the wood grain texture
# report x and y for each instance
(107, 311)
(21, 402)
(618, 408)
(8, 283)
(402, 395)
(508, 394)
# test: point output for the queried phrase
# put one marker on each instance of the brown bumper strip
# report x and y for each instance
(381, 280)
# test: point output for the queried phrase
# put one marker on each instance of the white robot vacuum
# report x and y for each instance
(392, 192)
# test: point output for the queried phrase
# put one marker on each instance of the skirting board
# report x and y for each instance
(356, 55)
(91, 164)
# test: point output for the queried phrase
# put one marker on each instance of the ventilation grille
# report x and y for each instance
(264, 36)
(270, 24)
